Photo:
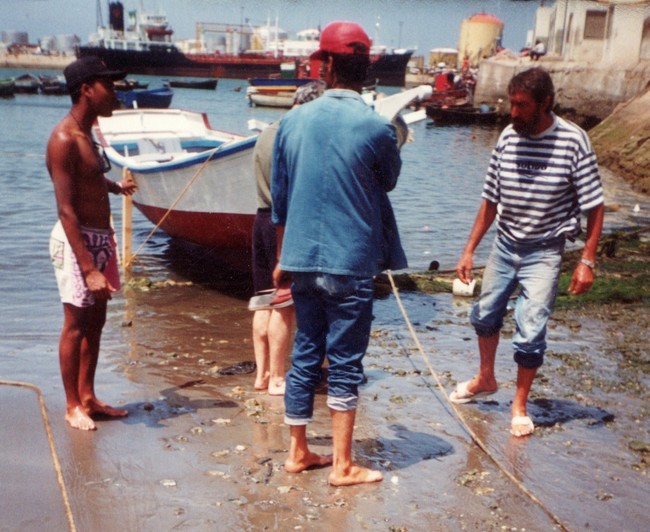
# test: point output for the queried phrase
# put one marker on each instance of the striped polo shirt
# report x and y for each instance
(541, 183)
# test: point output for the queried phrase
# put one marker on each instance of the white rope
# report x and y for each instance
(460, 417)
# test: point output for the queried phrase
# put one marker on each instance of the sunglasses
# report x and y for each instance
(102, 158)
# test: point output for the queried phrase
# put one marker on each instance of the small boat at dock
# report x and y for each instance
(129, 84)
(28, 84)
(463, 114)
(205, 84)
(7, 88)
(160, 98)
(273, 92)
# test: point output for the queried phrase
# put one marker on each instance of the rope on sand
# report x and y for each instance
(461, 418)
(50, 440)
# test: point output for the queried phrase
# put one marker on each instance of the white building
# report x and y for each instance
(608, 32)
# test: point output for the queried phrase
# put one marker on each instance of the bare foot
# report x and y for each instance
(262, 382)
(355, 475)
(277, 386)
(78, 419)
(307, 461)
(97, 408)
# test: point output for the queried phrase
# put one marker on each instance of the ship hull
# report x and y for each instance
(386, 69)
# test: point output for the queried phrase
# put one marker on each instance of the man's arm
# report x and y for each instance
(484, 218)
(583, 275)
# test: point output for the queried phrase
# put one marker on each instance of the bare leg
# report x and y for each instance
(485, 380)
(261, 319)
(345, 472)
(300, 457)
(88, 364)
(525, 377)
(69, 362)
(279, 343)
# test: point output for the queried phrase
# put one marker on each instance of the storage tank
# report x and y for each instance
(65, 43)
(15, 37)
(480, 37)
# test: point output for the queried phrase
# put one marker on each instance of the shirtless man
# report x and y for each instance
(82, 244)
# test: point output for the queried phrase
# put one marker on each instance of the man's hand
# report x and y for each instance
(281, 279)
(128, 185)
(582, 279)
(464, 268)
(99, 285)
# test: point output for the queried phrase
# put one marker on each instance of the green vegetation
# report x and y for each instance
(622, 275)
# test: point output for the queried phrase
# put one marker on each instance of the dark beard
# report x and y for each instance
(527, 129)
(522, 128)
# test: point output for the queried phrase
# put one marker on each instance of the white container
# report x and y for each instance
(459, 288)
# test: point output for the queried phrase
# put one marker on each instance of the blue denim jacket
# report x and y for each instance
(334, 160)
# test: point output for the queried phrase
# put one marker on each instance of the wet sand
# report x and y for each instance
(204, 451)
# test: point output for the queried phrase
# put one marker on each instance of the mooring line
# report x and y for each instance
(461, 418)
(50, 439)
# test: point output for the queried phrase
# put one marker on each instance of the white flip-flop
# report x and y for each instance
(462, 395)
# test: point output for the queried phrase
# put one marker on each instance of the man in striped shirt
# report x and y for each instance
(542, 175)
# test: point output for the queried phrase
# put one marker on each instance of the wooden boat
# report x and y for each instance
(463, 114)
(198, 179)
(160, 98)
(195, 181)
(28, 84)
(205, 84)
(7, 88)
(129, 84)
(272, 92)
(53, 85)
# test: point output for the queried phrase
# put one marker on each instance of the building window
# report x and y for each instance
(595, 25)
(645, 40)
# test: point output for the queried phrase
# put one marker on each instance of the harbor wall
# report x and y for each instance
(585, 93)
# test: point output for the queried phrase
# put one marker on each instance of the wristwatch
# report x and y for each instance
(587, 263)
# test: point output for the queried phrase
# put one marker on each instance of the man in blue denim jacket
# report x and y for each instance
(334, 161)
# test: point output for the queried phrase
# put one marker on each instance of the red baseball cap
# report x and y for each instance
(343, 38)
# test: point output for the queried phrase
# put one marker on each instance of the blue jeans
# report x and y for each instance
(537, 269)
(333, 320)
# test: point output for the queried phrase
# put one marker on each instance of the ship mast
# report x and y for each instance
(99, 20)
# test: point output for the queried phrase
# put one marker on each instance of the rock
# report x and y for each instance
(639, 446)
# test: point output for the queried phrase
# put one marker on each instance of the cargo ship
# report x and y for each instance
(145, 46)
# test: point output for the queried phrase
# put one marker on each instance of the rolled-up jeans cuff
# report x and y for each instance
(296, 421)
(342, 404)
(529, 360)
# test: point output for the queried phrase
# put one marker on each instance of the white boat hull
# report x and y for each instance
(197, 183)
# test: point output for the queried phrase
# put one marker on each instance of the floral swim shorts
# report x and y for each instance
(72, 286)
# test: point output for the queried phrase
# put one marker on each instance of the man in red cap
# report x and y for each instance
(82, 244)
(334, 161)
